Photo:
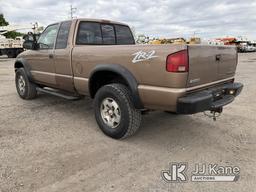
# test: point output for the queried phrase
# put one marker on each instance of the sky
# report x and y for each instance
(159, 18)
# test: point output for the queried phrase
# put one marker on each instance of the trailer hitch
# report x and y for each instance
(214, 113)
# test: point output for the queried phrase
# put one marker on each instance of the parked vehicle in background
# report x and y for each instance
(13, 47)
(99, 58)
(245, 47)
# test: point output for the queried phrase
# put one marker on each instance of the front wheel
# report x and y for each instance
(114, 111)
(25, 88)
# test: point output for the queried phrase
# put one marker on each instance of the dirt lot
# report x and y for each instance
(50, 144)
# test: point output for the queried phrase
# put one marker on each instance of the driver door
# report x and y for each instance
(41, 61)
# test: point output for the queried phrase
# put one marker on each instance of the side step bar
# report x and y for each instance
(58, 94)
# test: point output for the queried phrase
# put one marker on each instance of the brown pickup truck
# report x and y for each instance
(99, 58)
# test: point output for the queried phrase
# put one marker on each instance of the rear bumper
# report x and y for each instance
(209, 99)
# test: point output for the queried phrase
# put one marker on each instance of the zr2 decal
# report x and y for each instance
(143, 56)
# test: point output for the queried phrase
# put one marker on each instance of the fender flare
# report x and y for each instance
(125, 74)
(25, 65)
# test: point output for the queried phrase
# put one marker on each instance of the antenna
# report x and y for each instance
(72, 11)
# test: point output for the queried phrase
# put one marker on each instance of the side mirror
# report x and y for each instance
(28, 44)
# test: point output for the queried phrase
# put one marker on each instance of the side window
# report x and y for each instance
(124, 35)
(89, 33)
(108, 34)
(48, 37)
(62, 38)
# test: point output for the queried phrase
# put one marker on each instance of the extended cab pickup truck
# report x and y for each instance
(99, 58)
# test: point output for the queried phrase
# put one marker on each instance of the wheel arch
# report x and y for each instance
(21, 63)
(123, 76)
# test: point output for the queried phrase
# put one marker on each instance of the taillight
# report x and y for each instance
(177, 62)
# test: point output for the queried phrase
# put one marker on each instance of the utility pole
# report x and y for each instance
(72, 11)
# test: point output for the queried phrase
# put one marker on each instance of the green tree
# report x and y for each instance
(3, 22)
(11, 34)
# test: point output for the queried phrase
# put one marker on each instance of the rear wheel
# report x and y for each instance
(114, 111)
(25, 88)
(11, 54)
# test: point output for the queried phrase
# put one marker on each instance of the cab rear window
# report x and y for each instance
(89, 33)
(108, 34)
(93, 33)
(123, 35)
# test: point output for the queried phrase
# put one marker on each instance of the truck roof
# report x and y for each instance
(100, 21)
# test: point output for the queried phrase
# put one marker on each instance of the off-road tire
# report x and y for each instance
(30, 91)
(11, 54)
(130, 116)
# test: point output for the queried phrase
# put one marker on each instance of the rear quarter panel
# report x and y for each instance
(147, 72)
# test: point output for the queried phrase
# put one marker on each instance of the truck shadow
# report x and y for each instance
(157, 129)
(170, 126)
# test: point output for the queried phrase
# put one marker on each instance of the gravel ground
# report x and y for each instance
(51, 144)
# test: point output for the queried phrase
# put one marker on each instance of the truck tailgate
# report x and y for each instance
(210, 63)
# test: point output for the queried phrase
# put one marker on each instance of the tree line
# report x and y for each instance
(10, 34)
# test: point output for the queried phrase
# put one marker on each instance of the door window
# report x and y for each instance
(62, 38)
(48, 37)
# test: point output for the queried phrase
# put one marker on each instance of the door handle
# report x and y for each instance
(218, 57)
(51, 56)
